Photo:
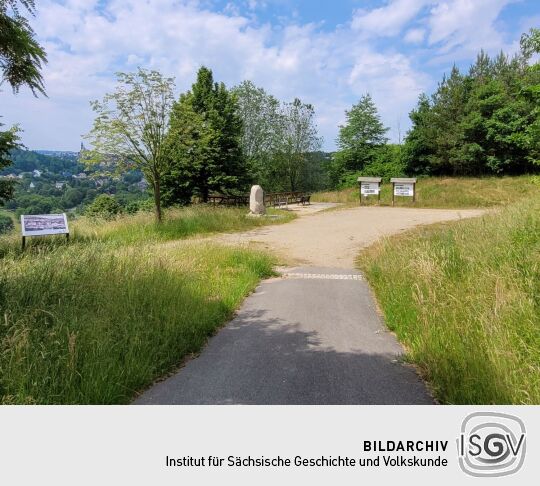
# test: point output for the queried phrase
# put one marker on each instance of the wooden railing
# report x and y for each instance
(284, 198)
(270, 199)
(222, 200)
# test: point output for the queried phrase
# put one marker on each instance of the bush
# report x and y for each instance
(104, 206)
(141, 205)
(387, 164)
(6, 224)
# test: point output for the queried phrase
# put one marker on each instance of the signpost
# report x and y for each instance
(403, 186)
(43, 224)
(370, 186)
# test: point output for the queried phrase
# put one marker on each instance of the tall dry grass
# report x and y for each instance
(447, 192)
(464, 298)
(97, 319)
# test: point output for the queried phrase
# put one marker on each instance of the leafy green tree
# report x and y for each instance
(484, 122)
(21, 57)
(297, 139)
(359, 138)
(204, 143)
(259, 112)
(9, 140)
(71, 198)
(131, 125)
(104, 207)
(419, 148)
(191, 148)
(530, 43)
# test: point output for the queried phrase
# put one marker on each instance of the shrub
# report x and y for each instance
(104, 206)
(6, 224)
(142, 205)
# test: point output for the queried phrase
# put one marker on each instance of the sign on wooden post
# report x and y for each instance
(43, 224)
(403, 186)
(370, 186)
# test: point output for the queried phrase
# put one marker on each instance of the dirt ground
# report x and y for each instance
(334, 238)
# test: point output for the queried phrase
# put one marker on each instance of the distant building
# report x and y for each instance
(32, 185)
(37, 173)
(20, 176)
(60, 185)
(101, 182)
(81, 175)
(11, 176)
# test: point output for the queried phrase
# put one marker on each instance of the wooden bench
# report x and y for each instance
(305, 199)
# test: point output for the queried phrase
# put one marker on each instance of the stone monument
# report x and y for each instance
(256, 201)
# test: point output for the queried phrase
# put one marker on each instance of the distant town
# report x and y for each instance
(57, 181)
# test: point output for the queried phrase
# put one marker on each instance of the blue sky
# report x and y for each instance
(327, 53)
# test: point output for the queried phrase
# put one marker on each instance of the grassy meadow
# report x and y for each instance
(464, 298)
(446, 192)
(99, 319)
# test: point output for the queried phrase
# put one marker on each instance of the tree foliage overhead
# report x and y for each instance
(130, 127)
(486, 121)
(204, 143)
(21, 56)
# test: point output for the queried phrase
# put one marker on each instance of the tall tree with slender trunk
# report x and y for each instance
(298, 138)
(130, 127)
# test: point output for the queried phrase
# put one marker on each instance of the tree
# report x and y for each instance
(130, 127)
(104, 206)
(259, 113)
(530, 43)
(359, 138)
(204, 142)
(190, 146)
(297, 138)
(419, 145)
(484, 122)
(9, 140)
(21, 57)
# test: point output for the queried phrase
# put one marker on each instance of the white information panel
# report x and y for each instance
(403, 189)
(368, 188)
(44, 224)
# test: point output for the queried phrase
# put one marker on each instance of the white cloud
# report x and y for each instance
(388, 20)
(464, 27)
(87, 43)
(415, 36)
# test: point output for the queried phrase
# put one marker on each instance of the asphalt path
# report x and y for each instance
(312, 336)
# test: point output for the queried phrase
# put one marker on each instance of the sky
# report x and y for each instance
(327, 53)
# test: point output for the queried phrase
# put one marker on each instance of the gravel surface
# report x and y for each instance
(334, 238)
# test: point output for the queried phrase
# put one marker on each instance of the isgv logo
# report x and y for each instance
(491, 444)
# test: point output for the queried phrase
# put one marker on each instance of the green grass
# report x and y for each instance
(178, 223)
(99, 319)
(447, 192)
(464, 298)
(92, 324)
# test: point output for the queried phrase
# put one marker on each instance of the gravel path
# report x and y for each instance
(334, 238)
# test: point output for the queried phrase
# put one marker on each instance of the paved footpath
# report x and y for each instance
(312, 336)
(298, 340)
